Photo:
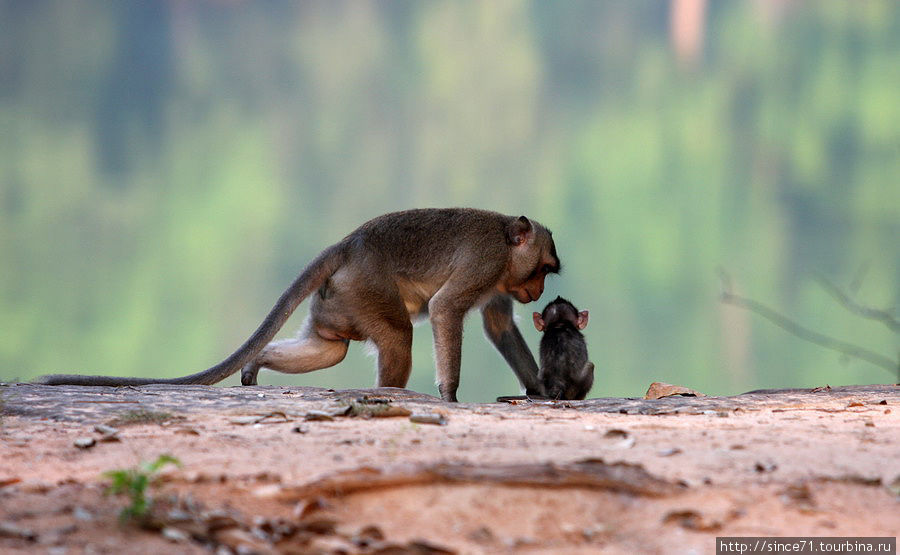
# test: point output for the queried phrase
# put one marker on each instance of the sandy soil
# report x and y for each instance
(276, 469)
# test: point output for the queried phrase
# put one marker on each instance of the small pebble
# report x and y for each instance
(80, 513)
(85, 442)
(428, 418)
(175, 535)
(10, 530)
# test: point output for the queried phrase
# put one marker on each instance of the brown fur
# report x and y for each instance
(392, 269)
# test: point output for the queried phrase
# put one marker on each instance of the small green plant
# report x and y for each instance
(134, 482)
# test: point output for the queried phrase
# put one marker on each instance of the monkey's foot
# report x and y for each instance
(248, 374)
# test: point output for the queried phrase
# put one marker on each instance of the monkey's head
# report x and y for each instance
(532, 257)
(560, 312)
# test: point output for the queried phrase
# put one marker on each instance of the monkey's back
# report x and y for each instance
(412, 241)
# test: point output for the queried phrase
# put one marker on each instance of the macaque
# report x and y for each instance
(370, 286)
(565, 371)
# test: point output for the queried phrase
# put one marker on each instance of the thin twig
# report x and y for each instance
(806, 334)
(861, 274)
(882, 316)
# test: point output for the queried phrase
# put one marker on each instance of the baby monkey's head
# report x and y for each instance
(560, 312)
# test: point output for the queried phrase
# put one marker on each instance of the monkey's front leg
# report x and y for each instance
(447, 324)
(501, 329)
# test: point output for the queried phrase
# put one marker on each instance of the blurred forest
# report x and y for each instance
(166, 168)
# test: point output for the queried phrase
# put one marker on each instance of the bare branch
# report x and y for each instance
(882, 316)
(858, 278)
(806, 334)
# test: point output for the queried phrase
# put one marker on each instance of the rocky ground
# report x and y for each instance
(306, 470)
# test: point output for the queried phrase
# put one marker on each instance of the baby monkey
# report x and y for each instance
(565, 371)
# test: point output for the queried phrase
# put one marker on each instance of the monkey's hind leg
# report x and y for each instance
(305, 353)
(393, 340)
(374, 310)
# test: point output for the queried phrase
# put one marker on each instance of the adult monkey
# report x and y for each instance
(395, 268)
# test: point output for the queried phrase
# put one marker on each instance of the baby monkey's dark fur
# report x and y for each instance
(565, 371)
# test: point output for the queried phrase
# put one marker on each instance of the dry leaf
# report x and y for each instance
(658, 390)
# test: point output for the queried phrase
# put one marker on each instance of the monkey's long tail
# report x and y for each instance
(312, 277)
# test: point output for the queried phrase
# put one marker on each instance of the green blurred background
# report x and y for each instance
(166, 168)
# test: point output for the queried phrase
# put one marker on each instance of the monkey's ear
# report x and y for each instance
(518, 231)
(582, 319)
(538, 321)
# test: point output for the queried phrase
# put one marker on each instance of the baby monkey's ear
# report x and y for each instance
(539, 322)
(582, 319)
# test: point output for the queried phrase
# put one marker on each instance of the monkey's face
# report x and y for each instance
(532, 286)
(532, 258)
(528, 291)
